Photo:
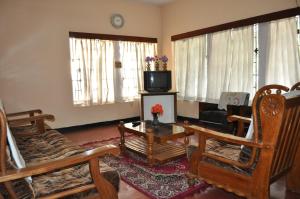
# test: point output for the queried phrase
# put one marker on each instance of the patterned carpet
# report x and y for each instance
(164, 181)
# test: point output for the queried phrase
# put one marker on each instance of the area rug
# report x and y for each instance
(167, 181)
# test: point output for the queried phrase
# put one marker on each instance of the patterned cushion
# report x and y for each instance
(217, 148)
(52, 145)
(221, 149)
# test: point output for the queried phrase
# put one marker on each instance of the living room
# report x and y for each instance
(35, 57)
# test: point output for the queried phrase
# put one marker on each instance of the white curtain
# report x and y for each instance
(230, 62)
(96, 80)
(129, 78)
(190, 68)
(91, 71)
(282, 53)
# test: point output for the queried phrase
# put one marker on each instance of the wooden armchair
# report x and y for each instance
(72, 170)
(263, 159)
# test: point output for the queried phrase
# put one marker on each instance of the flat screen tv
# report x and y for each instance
(157, 81)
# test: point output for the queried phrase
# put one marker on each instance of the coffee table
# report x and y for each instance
(153, 142)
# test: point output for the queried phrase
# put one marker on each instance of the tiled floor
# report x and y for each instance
(278, 190)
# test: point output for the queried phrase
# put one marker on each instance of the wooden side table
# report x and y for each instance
(153, 143)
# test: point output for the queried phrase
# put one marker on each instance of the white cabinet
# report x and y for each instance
(168, 100)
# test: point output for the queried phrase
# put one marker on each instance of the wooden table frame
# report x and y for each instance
(155, 148)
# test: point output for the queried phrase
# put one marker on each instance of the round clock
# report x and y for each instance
(117, 20)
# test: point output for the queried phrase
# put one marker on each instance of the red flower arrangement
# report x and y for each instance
(158, 109)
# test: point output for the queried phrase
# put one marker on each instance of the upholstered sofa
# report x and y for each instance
(51, 165)
(214, 115)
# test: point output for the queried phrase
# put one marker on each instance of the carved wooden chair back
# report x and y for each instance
(271, 151)
(296, 86)
(280, 131)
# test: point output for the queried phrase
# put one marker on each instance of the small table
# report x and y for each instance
(152, 142)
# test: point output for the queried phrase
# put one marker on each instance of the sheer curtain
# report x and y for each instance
(91, 71)
(96, 80)
(208, 65)
(129, 78)
(230, 62)
(190, 68)
(282, 53)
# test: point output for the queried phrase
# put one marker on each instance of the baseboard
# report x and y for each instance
(113, 122)
(93, 125)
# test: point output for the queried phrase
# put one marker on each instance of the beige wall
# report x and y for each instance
(186, 15)
(34, 53)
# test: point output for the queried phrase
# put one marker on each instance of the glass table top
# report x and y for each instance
(161, 130)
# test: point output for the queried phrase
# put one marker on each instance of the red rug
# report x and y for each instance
(167, 181)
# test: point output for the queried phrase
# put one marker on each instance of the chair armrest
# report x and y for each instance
(204, 134)
(237, 118)
(241, 123)
(58, 164)
(22, 121)
(223, 137)
(29, 112)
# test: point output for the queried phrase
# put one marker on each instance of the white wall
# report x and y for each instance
(187, 15)
(34, 53)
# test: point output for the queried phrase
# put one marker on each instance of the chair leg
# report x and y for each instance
(10, 190)
(263, 192)
(292, 182)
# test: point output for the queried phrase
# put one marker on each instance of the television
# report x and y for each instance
(157, 81)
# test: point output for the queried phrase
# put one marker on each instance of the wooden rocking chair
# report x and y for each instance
(270, 153)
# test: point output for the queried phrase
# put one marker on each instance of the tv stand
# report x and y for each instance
(167, 99)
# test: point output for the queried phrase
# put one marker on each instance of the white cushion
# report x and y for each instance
(291, 94)
(233, 98)
(249, 134)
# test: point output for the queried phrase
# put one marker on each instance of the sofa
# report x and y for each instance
(214, 115)
(50, 165)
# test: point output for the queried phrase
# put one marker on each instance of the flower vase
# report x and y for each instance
(148, 67)
(157, 66)
(165, 66)
(155, 121)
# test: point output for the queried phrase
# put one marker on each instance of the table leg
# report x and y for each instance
(122, 136)
(187, 134)
(150, 140)
(186, 140)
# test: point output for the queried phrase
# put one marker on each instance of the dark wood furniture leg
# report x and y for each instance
(150, 141)
(293, 177)
(122, 136)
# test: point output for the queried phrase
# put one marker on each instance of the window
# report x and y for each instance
(97, 78)
(281, 52)
(239, 59)
(206, 65)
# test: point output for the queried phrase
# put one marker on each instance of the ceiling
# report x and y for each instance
(156, 2)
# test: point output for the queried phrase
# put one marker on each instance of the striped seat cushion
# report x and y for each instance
(49, 146)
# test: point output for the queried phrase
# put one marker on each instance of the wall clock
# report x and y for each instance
(117, 20)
